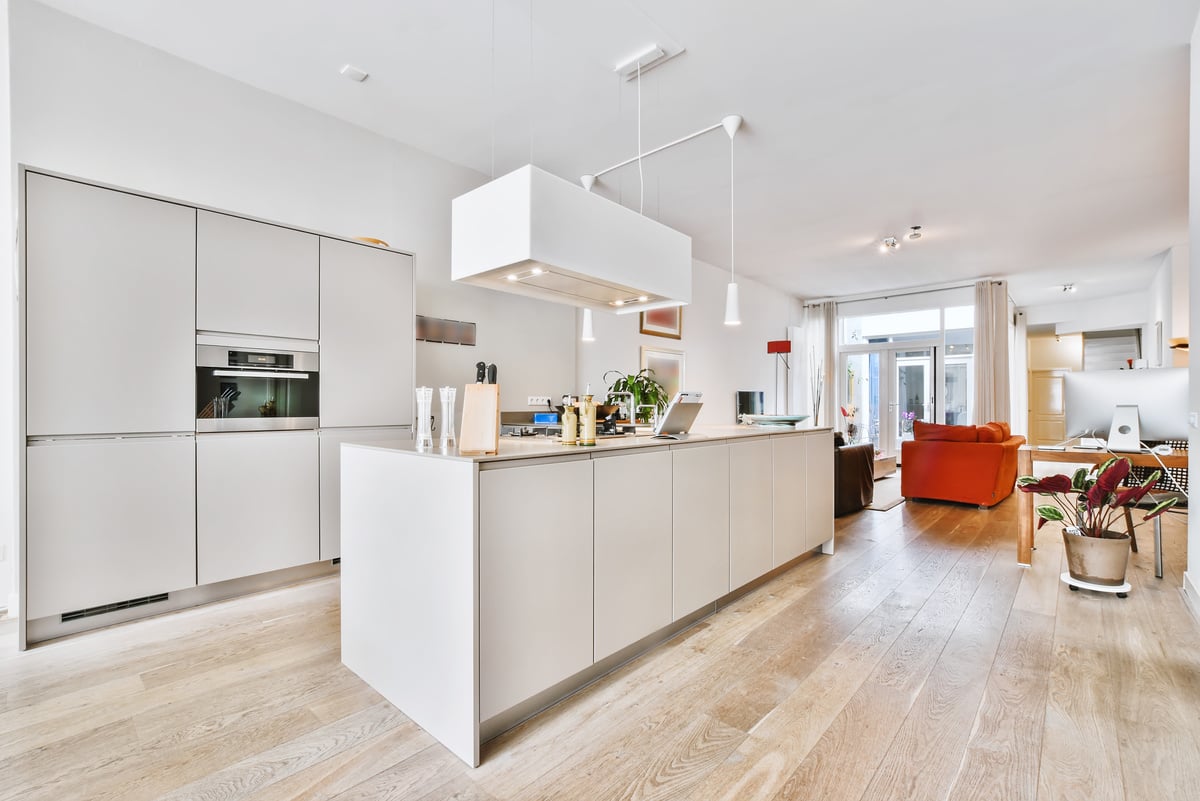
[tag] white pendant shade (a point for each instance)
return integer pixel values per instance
(586, 334)
(533, 233)
(733, 315)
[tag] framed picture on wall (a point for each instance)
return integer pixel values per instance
(663, 322)
(667, 366)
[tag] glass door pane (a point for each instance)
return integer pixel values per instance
(861, 414)
(913, 381)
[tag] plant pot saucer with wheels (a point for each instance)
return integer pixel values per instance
(1097, 563)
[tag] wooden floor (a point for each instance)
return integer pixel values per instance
(919, 662)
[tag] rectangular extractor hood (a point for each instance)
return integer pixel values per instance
(535, 234)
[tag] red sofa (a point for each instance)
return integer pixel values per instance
(967, 464)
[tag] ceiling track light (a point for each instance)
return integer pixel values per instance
(889, 244)
(914, 232)
(1068, 288)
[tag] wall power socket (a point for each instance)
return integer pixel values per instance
(538, 400)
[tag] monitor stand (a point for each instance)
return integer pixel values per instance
(1125, 436)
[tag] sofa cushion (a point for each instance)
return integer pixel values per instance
(936, 431)
(991, 432)
(1004, 427)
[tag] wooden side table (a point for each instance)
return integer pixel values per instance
(884, 466)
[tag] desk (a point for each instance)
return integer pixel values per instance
(1027, 455)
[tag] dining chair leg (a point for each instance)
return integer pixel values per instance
(1129, 527)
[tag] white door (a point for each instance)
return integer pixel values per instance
(257, 505)
(255, 278)
(331, 477)
(632, 547)
(109, 520)
(366, 336)
(883, 392)
(110, 311)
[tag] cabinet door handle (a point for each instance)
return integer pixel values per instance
(255, 374)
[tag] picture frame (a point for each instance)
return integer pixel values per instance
(668, 366)
(666, 322)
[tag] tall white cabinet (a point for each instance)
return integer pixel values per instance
(366, 336)
(110, 311)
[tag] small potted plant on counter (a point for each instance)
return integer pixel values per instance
(1088, 503)
(645, 390)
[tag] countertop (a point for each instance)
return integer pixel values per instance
(512, 448)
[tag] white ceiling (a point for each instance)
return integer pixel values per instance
(1045, 142)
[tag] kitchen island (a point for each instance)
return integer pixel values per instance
(478, 590)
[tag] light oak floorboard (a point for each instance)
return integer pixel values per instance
(917, 662)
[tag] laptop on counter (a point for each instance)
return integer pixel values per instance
(681, 413)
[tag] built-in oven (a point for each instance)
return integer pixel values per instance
(255, 389)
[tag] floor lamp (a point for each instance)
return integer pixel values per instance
(781, 348)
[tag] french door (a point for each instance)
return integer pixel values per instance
(883, 391)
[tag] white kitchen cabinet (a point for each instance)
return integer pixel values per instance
(366, 335)
(256, 278)
(818, 506)
(750, 500)
(331, 477)
(110, 311)
(535, 579)
(700, 529)
(788, 503)
(109, 520)
(632, 548)
(257, 503)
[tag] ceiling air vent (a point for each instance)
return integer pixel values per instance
(92, 611)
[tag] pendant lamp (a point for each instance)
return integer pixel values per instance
(585, 334)
(733, 314)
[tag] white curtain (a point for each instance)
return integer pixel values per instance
(820, 354)
(991, 352)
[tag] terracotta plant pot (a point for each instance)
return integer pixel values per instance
(1097, 560)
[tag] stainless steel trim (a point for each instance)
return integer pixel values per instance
(219, 424)
(218, 356)
(258, 374)
(255, 342)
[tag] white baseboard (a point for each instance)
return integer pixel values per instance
(1191, 594)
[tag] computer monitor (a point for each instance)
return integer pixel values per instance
(1091, 398)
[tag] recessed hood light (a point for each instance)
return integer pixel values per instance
(535, 234)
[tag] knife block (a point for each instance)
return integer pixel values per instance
(480, 429)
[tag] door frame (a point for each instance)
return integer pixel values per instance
(889, 444)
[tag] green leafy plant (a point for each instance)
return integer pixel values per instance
(1091, 500)
(645, 390)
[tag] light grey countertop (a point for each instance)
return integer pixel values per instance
(512, 448)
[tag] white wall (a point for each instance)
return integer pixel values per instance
(1167, 302)
(720, 359)
(1191, 578)
(99, 106)
(8, 454)
(1096, 314)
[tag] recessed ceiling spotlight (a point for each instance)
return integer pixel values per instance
(643, 298)
(354, 73)
(511, 276)
(889, 244)
(618, 303)
(1068, 288)
(914, 232)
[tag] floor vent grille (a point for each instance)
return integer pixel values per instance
(91, 611)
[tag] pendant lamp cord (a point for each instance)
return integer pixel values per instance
(732, 280)
(493, 57)
(641, 177)
(531, 81)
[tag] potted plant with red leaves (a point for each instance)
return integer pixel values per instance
(1088, 503)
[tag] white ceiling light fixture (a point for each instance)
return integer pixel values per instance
(354, 73)
(889, 245)
(733, 316)
(1068, 288)
(653, 55)
(914, 233)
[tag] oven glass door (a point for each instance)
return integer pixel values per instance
(247, 399)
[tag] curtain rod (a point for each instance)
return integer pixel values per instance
(898, 293)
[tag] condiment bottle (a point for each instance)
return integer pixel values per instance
(587, 426)
(570, 425)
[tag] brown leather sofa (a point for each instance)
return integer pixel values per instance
(853, 476)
